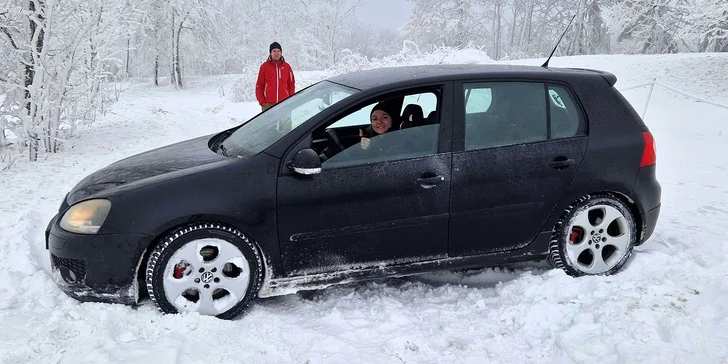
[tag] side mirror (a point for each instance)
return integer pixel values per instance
(305, 162)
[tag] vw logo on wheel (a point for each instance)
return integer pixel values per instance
(206, 277)
(596, 238)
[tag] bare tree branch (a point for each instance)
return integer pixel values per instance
(12, 41)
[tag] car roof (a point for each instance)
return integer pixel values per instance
(415, 75)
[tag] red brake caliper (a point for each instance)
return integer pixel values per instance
(179, 270)
(576, 234)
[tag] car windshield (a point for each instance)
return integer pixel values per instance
(267, 128)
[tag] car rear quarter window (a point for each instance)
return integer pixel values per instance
(566, 118)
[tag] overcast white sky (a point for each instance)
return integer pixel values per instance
(384, 14)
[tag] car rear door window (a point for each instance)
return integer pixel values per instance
(504, 113)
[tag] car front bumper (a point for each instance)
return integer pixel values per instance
(96, 268)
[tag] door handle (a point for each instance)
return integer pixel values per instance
(430, 181)
(562, 162)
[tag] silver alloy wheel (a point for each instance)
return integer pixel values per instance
(208, 276)
(599, 238)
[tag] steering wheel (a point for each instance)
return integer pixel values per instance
(332, 137)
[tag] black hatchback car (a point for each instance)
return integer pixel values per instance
(380, 173)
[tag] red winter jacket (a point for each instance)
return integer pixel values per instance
(275, 82)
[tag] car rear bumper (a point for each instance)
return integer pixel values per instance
(96, 268)
(647, 195)
(649, 221)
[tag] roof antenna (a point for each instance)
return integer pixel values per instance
(546, 64)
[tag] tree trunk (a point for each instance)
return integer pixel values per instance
(529, 25)
(48, 139)
(156, 55)
(513, 26)
(497, 27)
(575, 44)
(461, 21)
(3, 140)
(33, 146)
(30, 64)
(37, 35)
(128, 56)
(177, 66)
(172, 79)
(156, 68)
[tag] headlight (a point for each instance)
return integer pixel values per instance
(86, 217)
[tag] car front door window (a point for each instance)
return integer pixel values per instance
(407, 138)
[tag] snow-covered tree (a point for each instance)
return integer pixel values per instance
(588, 33)
(648, 26)
(709, 21)
(441, 23)
(65, 52)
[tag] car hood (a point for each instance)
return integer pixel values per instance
(169, 160)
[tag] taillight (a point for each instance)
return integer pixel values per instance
(649, 153)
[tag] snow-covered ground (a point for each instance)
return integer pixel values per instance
(669, 305)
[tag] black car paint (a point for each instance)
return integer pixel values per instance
(156, 191)
(502, 204)
(162, 163)
(385, 216)
(105, 265)
(401, 214)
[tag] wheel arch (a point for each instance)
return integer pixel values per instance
(620, 196)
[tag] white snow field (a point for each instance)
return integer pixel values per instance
(669, 304)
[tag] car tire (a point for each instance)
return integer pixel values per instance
(208, 268)
(595, 236)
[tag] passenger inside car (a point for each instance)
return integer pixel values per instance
(381, 119)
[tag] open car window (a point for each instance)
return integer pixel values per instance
(359, 117)
(413, 133)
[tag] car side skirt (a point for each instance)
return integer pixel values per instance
(272, 287)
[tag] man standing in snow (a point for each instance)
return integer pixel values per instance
(275, 79)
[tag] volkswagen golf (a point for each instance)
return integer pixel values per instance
(380, 173)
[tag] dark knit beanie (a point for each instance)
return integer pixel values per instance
(388, 107)
(274, 45)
